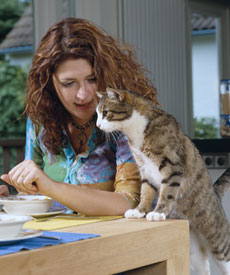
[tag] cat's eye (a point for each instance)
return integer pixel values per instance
(105, 113)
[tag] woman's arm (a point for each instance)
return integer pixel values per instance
(127, 180)
(28, 177)
(89, 201)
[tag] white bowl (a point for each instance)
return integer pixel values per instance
(11, 225)
(26, 204)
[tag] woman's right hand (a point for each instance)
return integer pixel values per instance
(28, 178)
(4, 191)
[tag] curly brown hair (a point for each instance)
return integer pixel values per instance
(114, 66)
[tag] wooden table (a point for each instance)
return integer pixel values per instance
(139, 246)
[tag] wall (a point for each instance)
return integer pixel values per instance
(158, 29)
(46, 13)
(104, 13)
(205, 85)
(22, 59)
(222, 12)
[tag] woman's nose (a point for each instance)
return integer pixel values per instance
(82, 93)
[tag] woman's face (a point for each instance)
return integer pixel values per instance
(76, 86)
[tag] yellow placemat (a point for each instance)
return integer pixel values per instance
(66, 220)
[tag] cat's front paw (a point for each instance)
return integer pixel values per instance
(134, 214)
(155, 216)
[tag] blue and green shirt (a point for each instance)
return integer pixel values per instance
(108, 165)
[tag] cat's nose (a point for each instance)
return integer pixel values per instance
(98, 125)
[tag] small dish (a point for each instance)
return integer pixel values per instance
(11, 225)
(26, 204)
(24, 234)
(53, 212)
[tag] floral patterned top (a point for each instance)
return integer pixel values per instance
(108, 165)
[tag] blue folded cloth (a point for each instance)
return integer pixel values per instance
(39, 242)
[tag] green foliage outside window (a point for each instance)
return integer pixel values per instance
(12, 81)
(12, 88)
(10, 12)
(205, 127)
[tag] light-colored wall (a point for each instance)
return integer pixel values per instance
(104, 13)
(22, 59)
(222, 12)
(46, 13)
(205, 76)
(158, 30)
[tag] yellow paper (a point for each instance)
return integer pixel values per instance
(66, 220)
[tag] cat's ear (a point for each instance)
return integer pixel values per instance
(115, 94)
(100, 94)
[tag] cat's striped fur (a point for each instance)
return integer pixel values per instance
(171, 168)
(222, 183)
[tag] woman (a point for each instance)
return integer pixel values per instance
(63, 145)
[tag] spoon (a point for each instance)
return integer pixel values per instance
(1, 206)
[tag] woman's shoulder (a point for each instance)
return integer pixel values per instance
(119, 139)
(119, 144)
(31, 128)
(116, 139)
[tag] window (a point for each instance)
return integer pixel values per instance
(205, 76)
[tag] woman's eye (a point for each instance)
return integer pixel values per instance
(92, 80)
(67, 84)
(105, 113)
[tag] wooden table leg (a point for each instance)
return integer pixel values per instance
(174, 266)
(154, 269)
(178, 265)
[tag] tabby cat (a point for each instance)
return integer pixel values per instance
(171, 168)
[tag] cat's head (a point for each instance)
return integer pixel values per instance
(114, 109)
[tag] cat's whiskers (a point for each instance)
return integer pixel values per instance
(107, 136)
(112, 136)
(115, 135)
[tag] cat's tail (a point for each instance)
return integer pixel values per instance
(222, 184)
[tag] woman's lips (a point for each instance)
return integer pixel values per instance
(83, 106)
